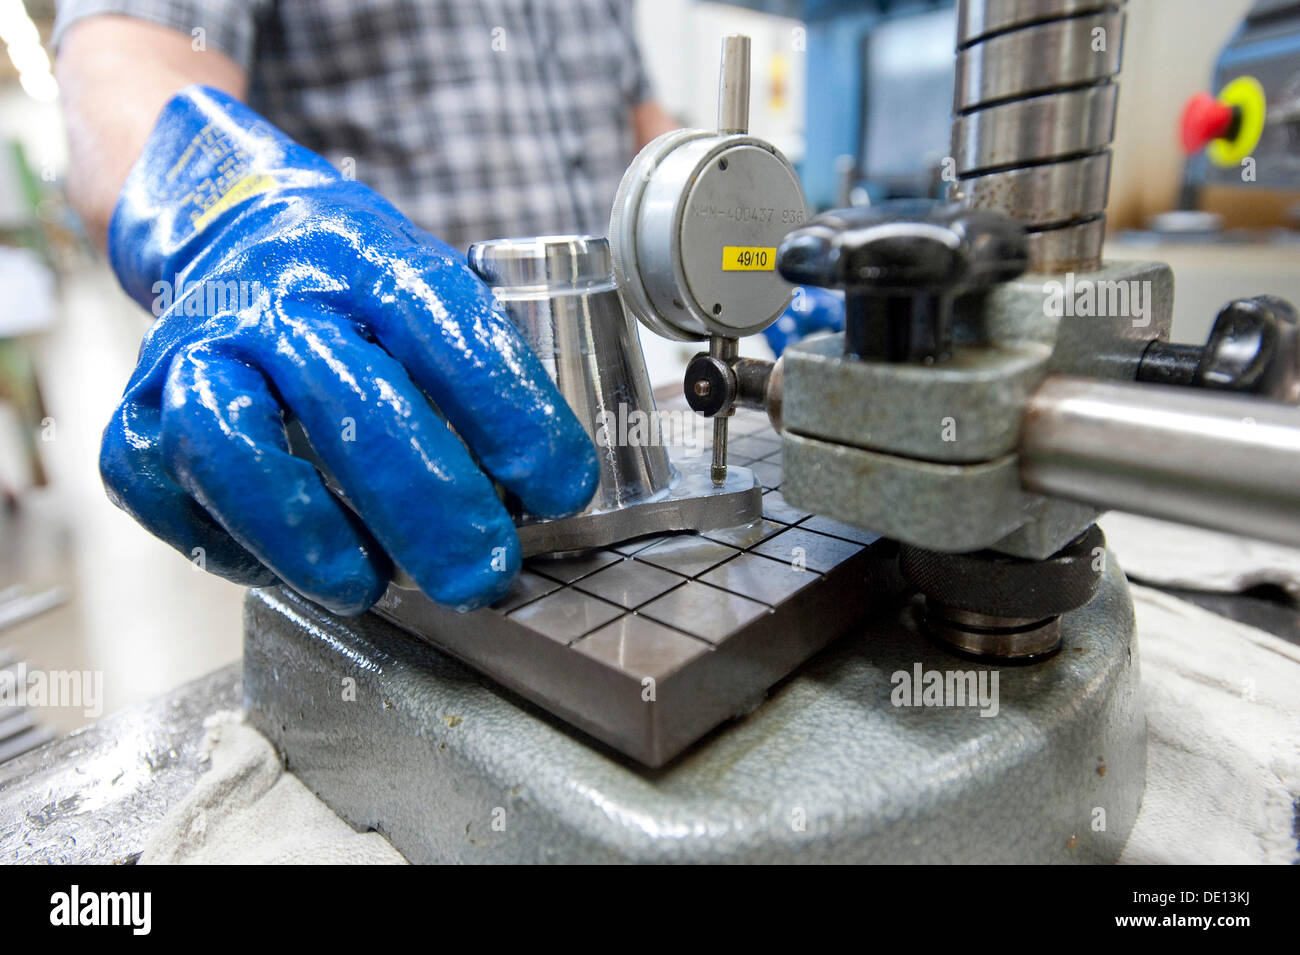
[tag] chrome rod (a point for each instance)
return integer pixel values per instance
(1226, 462)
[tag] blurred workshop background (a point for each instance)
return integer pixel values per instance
(856, 93)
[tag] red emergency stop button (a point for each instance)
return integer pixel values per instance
(1206, 119)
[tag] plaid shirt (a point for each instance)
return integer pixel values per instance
(477, 118)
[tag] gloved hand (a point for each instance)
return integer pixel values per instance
(283, 287)
(812, 310)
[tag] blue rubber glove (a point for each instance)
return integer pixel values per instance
(812, 310)
(282, 287)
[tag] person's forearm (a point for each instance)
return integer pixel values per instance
(649, 120)
(115, 75)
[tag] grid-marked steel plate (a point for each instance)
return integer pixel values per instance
(649, 644)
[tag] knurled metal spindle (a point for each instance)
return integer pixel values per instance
(733, 119)
(1034, 116)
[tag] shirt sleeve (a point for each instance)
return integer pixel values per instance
(634, 79)
(226, 25)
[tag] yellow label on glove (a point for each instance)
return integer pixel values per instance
(245, 188)
(748, 258)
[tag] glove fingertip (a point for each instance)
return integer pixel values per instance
(478, 581)
(565, 483)
(351, 595)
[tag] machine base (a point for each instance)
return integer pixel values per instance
(846, 762)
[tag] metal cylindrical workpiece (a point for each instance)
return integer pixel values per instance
(560, 293)
(1034, 104)
(1214, 460)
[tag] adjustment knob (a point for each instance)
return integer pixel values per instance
(901, 264)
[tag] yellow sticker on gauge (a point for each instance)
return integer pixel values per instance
(748, 258)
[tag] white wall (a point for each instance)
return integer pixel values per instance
(681, 41)
(38, 126)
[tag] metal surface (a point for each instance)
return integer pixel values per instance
(712, 620)
(1035, 100)
(1034, 130)
(1069, 248)
(733, 85)
(96, 796)
(995, 606)
(692, 502)
(927, 454)
(939, 506)
(1208, 459)
(975, 20)
(560, 293)
(1037, 58)
(1055, 192)
(1128, 303)
(981, 390)
(723, 350)
(993, 638)
(686, 198)
(453, 769)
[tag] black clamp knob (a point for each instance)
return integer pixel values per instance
(1254, 347)
(901, 264)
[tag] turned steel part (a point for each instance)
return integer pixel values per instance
(733, 85)
(1012, 588)
(998, 638)
(560, 293)
(989, 604)
(1034, 104)
(1211, 459)
(723, 350)
(758, 386)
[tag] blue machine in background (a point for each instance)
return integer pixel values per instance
(1266, 49)
(880, 94)
(878, 117)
